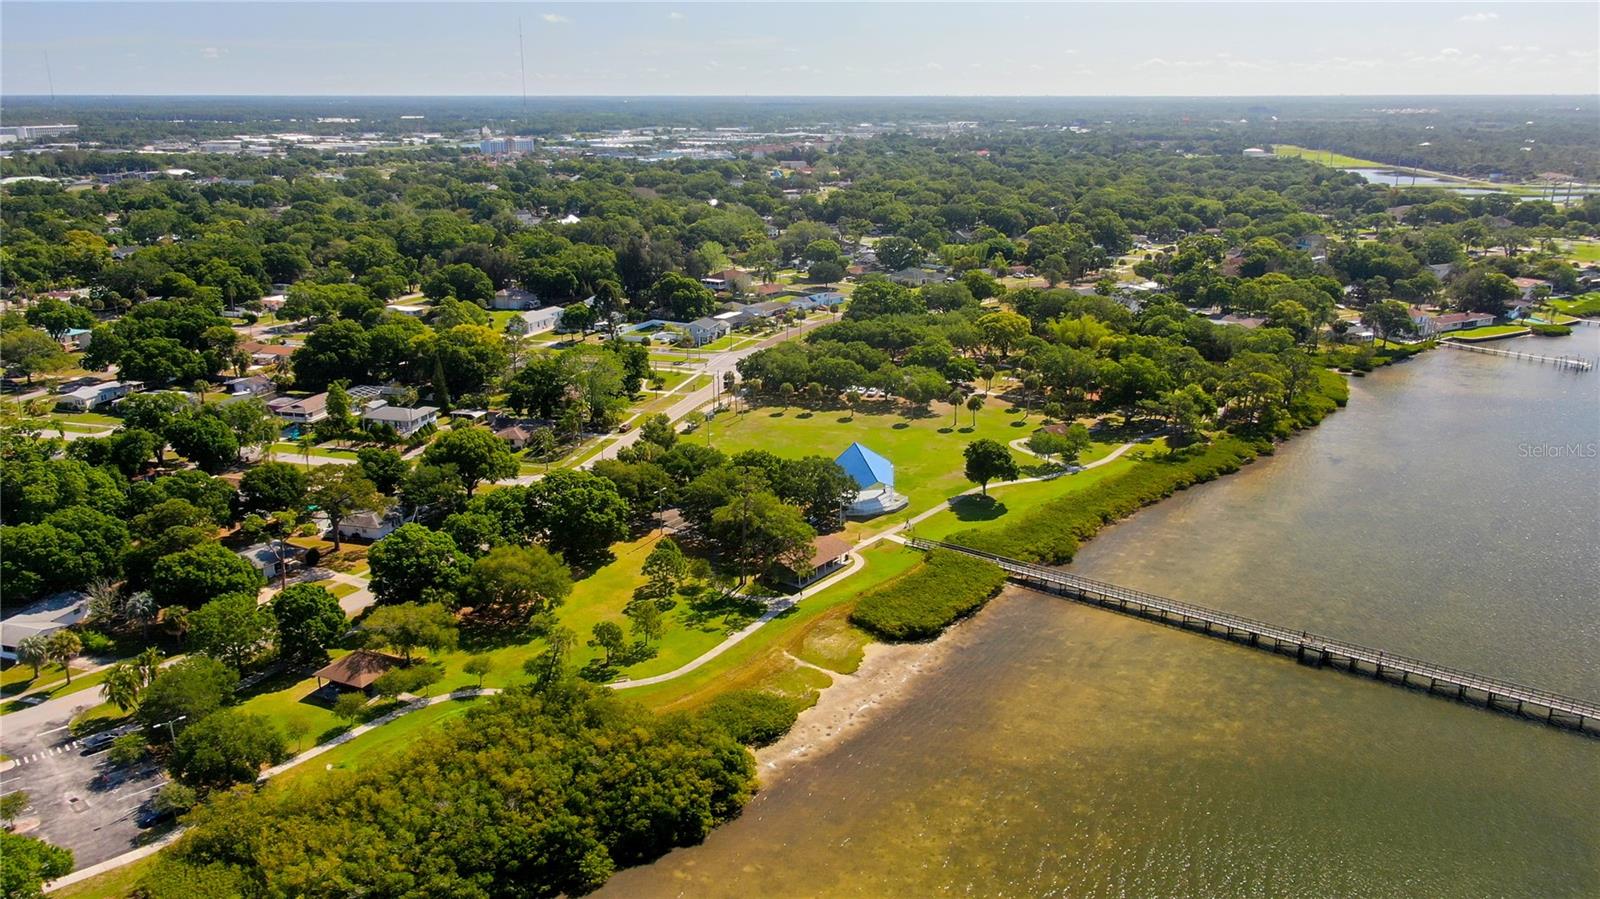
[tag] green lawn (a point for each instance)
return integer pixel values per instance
(926, 451)
(1488, 333)
(376, 743)
(49, 689)
(1008, 503)
(1585, 251)
(814, 630)
(291, 452)
(1586, 304)
(1326, 157)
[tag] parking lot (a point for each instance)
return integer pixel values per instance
(77, 798)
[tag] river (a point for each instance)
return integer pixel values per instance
(1452, 512)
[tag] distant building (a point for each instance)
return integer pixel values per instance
(515, 299)
(356, 670)
(254, 385)
(271, 559)
(829, 553)
(705, 330)
(300, 410)
(1256, 153)
(92, 396)
(369, 526)
(405, 421)
(76, 339)
(537, 321)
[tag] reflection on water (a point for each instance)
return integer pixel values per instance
(1452, 512)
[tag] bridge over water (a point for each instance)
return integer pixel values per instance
(1308, 648)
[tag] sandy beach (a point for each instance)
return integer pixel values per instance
(883, 682)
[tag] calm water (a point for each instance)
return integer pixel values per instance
(1068, 751)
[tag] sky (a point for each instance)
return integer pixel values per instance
(791, 48)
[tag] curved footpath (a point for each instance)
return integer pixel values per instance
(775, 608)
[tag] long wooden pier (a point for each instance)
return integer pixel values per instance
(1308, 648)
(1568, 363)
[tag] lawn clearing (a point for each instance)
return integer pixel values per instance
(52, 689)
(1326, 157)
(378, 743)
(926, 451)
(1492, 332)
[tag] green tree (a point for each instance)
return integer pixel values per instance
(31, 351)
(477, 454)
(205, 440)
(273, 487)
(407, 626)
(226, 748)
(152, 412)
(683, 297)
(34, 650)
(57, 317)
(516, 582)
(757, 530)
(578, 514)
(975, 405)
(339, 491)
(385, 468)
(202, 573)
(987, 460)
(1387, 318)
(415, 563)
(309, 620)
(122, 685)
(63, 647)
(12, 805)
(350, 706)
(190, 688)
(478, 666)
(26, 864)
(233, 629)
(607, 635)
(647, 621)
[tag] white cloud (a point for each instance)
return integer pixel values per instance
(676, 16)
(211, 53)
(1478, 17)
(554, 19)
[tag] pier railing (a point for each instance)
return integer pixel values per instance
(1568, 363)
(1492, 692)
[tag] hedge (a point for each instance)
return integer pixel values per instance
(1051, 533)
(1550, 330)
(751, 716)
(922, 602)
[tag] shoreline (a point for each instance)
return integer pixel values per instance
(882, 684)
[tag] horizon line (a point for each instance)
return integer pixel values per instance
(619, 96)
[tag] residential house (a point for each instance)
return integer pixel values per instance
(42, 618)
(1461, 321)
(705, 330)
(829, 553)
(272, 559)
(1242, 321)
(405, 421)
(266, 354)
(825, 300)
(916, 277)
(516, 435)
(300, 410)
(769, 290)
(92, 396)
(370, 526)
(1532, 288)
(411, 310)
(767, 308)
(538, 321)
(76, 339)
(253, 385)
(515, 299)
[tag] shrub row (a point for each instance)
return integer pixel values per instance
(1550, 330)
(1051, 533)
(922, 602)
(752, 717)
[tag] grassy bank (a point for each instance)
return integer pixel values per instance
(922, 602)
(1052, 532)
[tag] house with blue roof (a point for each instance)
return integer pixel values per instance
(874, 475)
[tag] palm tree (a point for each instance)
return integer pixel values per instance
(122, 685)
(141, 607)
(974, 403)
(64, 646)
(34, 650)
(987, 373)
(850, 398)
(306, 442)
(149, 663)
(954, 399)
